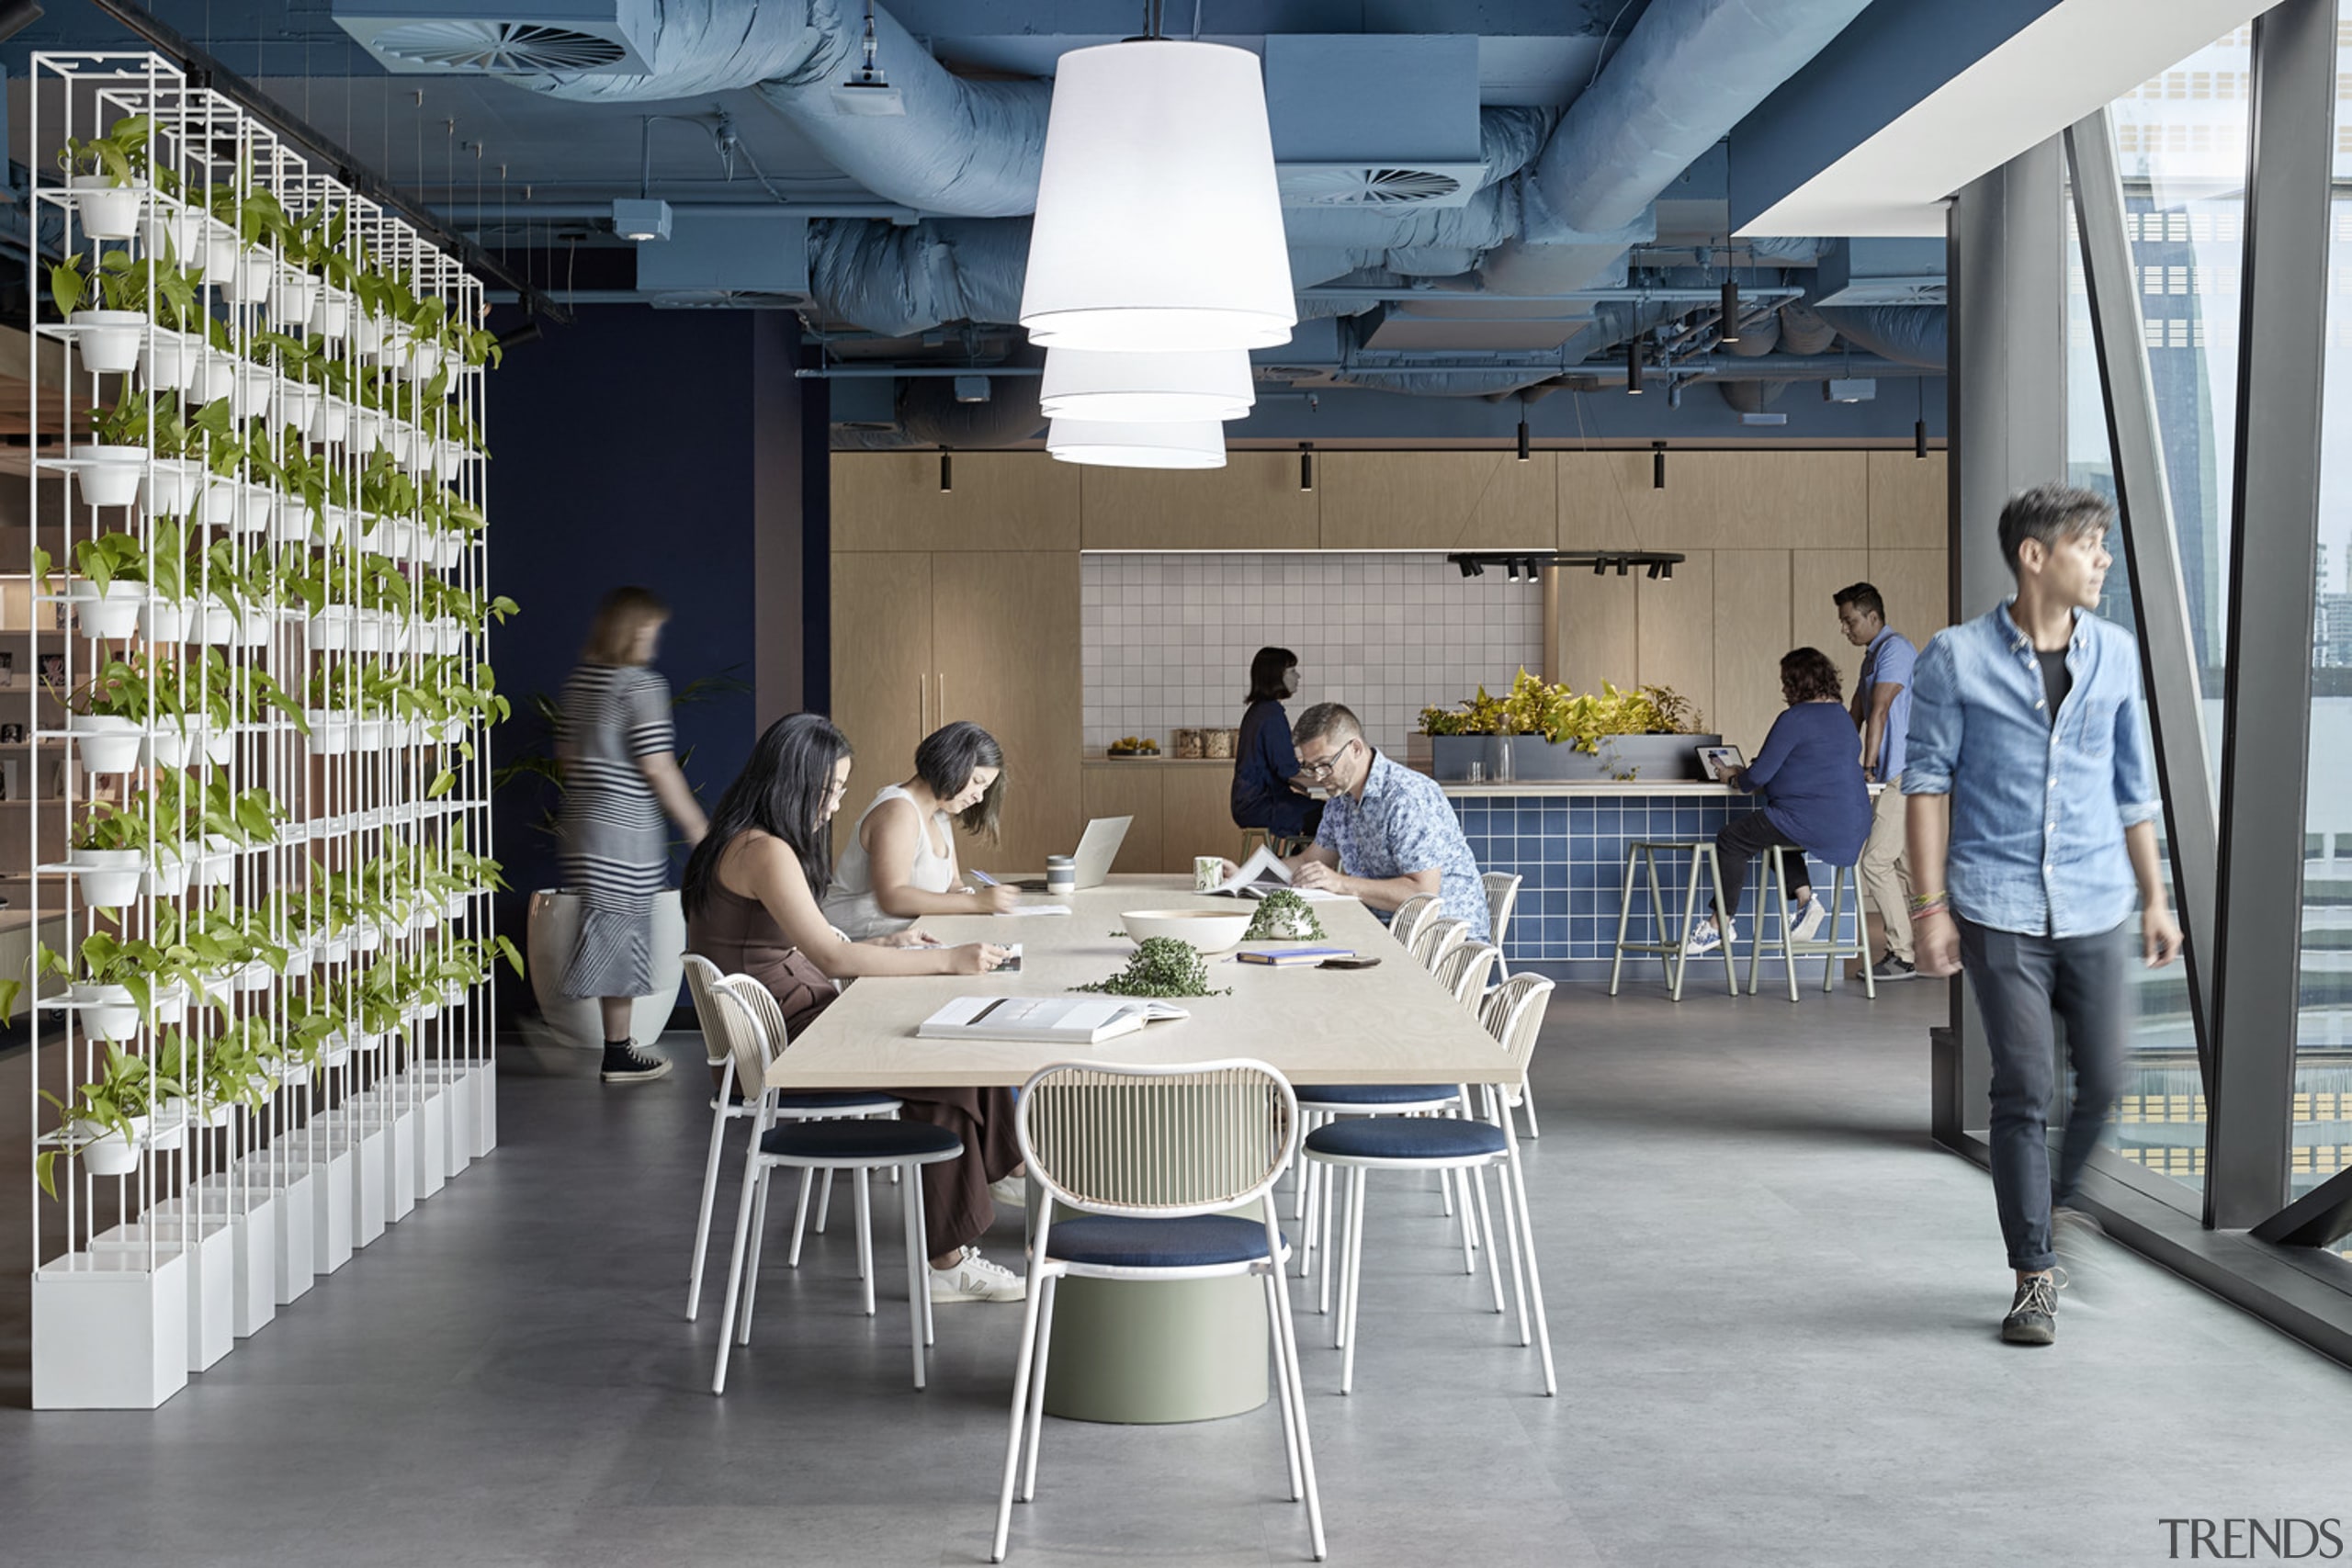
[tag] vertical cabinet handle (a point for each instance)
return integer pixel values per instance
(923, 706)
(941, 712)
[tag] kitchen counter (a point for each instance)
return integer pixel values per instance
(1224, 762)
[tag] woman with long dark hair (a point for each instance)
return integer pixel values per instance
(1811, 774)
(901, 861)
(1267, 789)
(620, 777)
(752, 898)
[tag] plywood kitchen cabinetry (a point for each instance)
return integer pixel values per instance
(1181, 809)
(922, 637)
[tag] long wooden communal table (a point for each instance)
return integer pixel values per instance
(1164, 1352)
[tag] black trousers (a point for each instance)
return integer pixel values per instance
(1744, 837)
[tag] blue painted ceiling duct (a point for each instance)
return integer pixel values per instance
(971, 149)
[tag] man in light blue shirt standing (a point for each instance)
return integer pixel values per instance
(2031, 805)
(1882, 711)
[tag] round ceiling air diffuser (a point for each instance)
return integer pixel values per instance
(505, 48)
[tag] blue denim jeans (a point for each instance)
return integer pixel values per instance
(2023, 983)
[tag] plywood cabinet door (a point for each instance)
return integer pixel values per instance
(884, 671)
(1005, 656)
(1132, 790)
(1199, 822)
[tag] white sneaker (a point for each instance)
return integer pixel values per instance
(1705, 937)
(1806, 923)
(975, 1279)
(1010, 1191)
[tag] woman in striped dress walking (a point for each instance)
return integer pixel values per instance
(620, 774)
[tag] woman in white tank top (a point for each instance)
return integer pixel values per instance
(900, 864)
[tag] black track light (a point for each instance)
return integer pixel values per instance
(1657, 468)
(1469, 566)
(1667, 571)
(1599, 567)
(515, 337)
(1510, 568)
(1730, 329)
(1919, 426)
(1654, 570)
(1634, 367)
(946, 472)
(1623, 566)
(1305, 467)
(1522, 438)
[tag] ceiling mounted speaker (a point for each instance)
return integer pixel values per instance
(1129, 388)
(1158, 223)
(1189, 444)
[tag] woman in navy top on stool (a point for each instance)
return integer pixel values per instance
(1266, 792)
(1815, 796)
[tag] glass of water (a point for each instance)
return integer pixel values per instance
(1477, 773)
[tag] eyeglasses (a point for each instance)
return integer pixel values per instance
(1325, 768)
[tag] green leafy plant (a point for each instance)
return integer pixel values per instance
(1284, 916)
(1532, 707)
(128, 1087)
(1161, 966)
(119, 156)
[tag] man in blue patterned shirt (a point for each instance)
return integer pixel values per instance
(1388, 833)
(2032, 804)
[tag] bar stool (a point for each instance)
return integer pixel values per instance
(1251, 838)
(1674, 952)
(1829, 950)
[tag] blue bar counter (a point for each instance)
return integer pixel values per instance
(1566, 842)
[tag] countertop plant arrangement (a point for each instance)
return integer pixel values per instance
(1162, 966)
(1534, 707)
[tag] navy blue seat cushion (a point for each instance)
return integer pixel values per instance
(1194, 1243)
(1375, 1093)
(1405, 1137)
(859, 1140)
(844, 1099)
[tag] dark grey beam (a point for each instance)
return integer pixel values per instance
(2321, 1217)
(2266, 717)
(2152, 556)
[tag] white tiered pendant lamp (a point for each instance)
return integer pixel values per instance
(1158, 226)
(1183, 444)
(1148, 388)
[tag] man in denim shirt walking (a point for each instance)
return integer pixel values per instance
(2032, 807)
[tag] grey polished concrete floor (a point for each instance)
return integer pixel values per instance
(1773, 1304)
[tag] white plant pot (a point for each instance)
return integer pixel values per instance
(108, 341)
(292, 297)
(367, 734)
(335, 949)
(222, 250)
(109, 1013)
(331, 314)
(298, 959)
(399, 439)
(448, 551)
(108, 1153)
(256, 976)
(108, 745)
(249, 399)
(366, 938)
(217, 864)
(369, 1044)
(216, 624)
(176, 232)
(218, 747)
(112, 611)
(108, 878)
(366, 333)
(400, 538)
(448, 460)
(448, 636)
(330, 631)
(165, 746)
(249, 279)
(214, 376)
(335, 527)
(335, 1051)
(168, 362)
(167, 1128)
(255, 625)
(107, 211)
(454, 907)
(331, 423)
(367, 430)
(290, 519)
(295, 403)
(168, 879)
(170, 486)
(109, 476)
(164, 620)
(295, 1075)
(254, 505)
(426, 1012)
(219, 1115)
(330, 733)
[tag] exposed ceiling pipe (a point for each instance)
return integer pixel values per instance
(1802, 330)
(1912, 333)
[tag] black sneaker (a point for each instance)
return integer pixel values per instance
(1892, 968)
(626, 1063)
(2034, 1315)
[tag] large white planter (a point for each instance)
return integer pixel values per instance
(108, 475)
(108, 745)
(108, 1333)
(108, 878)
(108, 341)
(107, 211)
(111, 612)
(555, 932)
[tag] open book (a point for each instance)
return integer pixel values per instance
(1062, 1021)
(1264, 872)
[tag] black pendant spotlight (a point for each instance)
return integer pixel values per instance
(1522, 433)
(1729, 332)
(1919, 426)
(946, 472)
(1307, 466)
(1634, 367)
(1657, 471)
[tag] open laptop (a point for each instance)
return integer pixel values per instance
(1097, 848)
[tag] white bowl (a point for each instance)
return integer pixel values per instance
(1210, 930)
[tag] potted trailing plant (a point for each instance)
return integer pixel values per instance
(108, 853)
(108, 717)
(107, 338)
(1554, 733)
(107, 1124)
(121, 980)
(107, 177)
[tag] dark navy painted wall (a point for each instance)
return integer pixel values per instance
(621, 453)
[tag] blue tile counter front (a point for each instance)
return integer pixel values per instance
(1567, 844)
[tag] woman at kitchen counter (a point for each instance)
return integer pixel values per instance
(1267, 789)
(901, 861)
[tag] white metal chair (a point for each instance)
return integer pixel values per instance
(1502, 898)
(1405, 923)
(728, 1106)
(1437, 938)
(755, 1027)
(1514, 1015)
(1467, 970)
(1191, 1143)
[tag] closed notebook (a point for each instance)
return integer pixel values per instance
(1295, 958)
(1069, 1020)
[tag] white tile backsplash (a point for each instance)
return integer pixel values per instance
(1168, 637)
